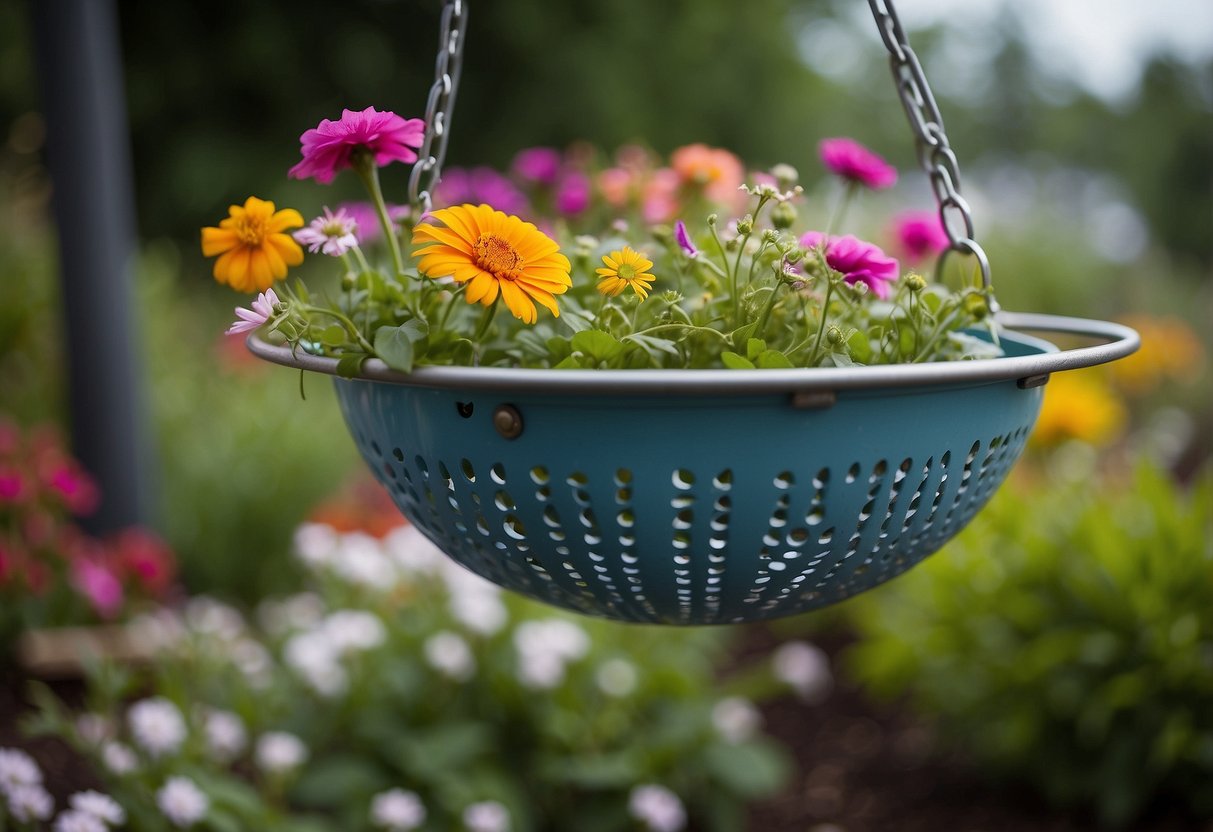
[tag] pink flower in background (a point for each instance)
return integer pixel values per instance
(573, 193)
(142, 554)
(660, 199)
(74, 487)
(332, 233)
(919, 235)
(99, 585)
(327, 149)
(853, 162)
(718, 172)
(478, 186)
(858, 261)
(366, 220)
(12, 485)
(684, 239)
(537, 165)
(262, 311)
(615, 184)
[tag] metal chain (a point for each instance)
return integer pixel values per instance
(934, 154)
(427, 172)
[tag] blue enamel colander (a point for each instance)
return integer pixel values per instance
(701, 496)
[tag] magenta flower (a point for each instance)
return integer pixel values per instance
(537, 165)
(920, 235)
(477, 186)
(333, 233)
(684, 239)
(99, 585)
(857, 261)
(327, 149)
(366, 219)
(12, 485)
(853, 162)
(573, 193)
(262, 311)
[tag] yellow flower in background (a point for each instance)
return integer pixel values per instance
(1078, 405)
(626, 268)
(1169, 351)
(495, 254)
(252, 245)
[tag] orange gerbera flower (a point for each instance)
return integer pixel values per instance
(252, 247)
(495, 254)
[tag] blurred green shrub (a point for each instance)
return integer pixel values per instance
(1066, 638)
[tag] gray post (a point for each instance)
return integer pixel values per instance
(80, 77)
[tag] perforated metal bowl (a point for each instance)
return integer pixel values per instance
(700, 497)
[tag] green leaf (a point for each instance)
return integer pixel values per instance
(570, 362)
(415, 329)
(742, 334)
(773, 360)
(577, 321)
(733, 361)
(837, 359)
(599, 345)
(395, 347)
(349, 366)
(559, 348)
(615, 770)
(753, 347)
(749, 769)
(331, 780)
(333, 335)
(653, 346)
(301, 291)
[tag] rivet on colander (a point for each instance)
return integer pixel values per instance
(508, 421)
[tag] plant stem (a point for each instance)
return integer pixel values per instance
(766, 312)
(821, 327)
(347, 323)
(368, 171)
(844, 202)
(485, 320)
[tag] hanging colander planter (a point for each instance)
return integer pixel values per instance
(705, 496)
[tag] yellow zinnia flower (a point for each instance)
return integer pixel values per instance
(252, 247)
(626, 268)
(1078, 406)
(495, 254)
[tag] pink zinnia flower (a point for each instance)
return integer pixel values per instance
(99, 585)
(855, 163)
(859, 262)
(333, 233)
(477, 186)
(920, 235)
(262, 311)
(327, 149)
(537, 165)
(573, 193)
(684, 239)
(75, 488)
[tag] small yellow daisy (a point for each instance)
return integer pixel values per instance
(626, 268)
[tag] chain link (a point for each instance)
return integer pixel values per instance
(935, 155)
(427, 172)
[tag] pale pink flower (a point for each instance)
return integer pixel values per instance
(333, 233)
(262, 311)
(99, 585)
(853, 162)
(327, 149)
(858, 261)
(657, 808)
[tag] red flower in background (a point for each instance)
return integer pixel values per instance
(141, 554)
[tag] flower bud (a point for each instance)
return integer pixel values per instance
(783, 215)
(976, 306)
(712, 220)
(834, 335)
(915, 282)
(785, 175)
(770, 236)
(349, 281)
(745, 225)
(794, 255)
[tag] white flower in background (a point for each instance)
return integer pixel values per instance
(75, 820)
(486, 816)
(119, 759)
(397, 810)
(412, 551)
(29, 802)
(312, 657)
(18, 768)
(354, 630)
(360, 560)
(658, 808)
(254, 661)
(210, 617)
(804, 668)
(736, 718)
(278, 752)
(450, 655)
(226, 737)
(159, 630)
(616, 677)
(101, 806)
(182, 802)
(301, 611)
(540, 671)
(93, 729)
(480, 610)
(315, 544)
(544, 648)
(157, 726)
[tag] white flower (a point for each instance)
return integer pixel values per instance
(312, 657)
(351, 630)
(540, 671)
(118, 758)
(481, 611)
(101, 806)
(93, 729)
(658, 808)
(805, 668)
(253, 660)
(301, 611)
(211, 617)
(397, 810)
(159, 630)
(543, 649)
(18, 769)
(226, 737)
(616, 677)
(360, 560)
(77, 820)
(331, 233)
(450, 655)
(182, 802)
(486, 816)
(157, 726)
(29, 802)
(278, 752)
(315, 544)
(736, 719)
(412, 551)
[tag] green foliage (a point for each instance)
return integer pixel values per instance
(1065, 637)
